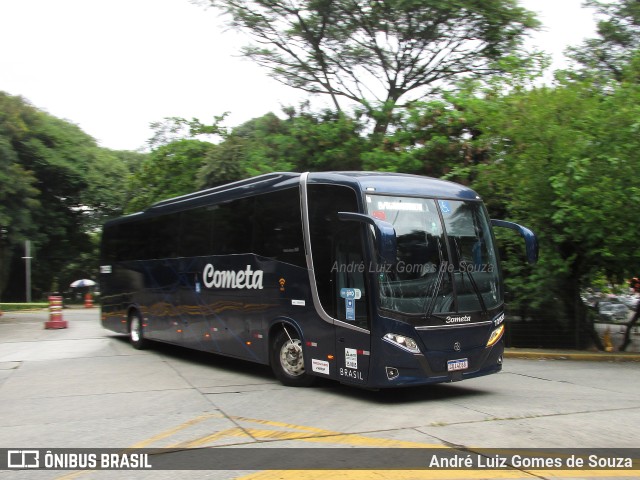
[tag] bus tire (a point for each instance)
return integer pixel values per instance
(136, 332)
(287, 360)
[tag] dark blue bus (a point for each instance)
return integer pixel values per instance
(372, 279)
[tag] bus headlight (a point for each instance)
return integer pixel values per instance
(406, 343)
(495, 336)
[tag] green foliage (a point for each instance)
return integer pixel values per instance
(56, 185)
(562, 161)
(303, 142)
(618, 40)
(172, 129)
(429, 138)
(169, 171)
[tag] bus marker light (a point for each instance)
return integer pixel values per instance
(495, 336)
(248, 342)
(311, 344)
(330, 357)
(179, 331)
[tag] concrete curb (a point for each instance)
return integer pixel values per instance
(531, 354)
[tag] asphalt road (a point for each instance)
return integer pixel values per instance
(85, 387)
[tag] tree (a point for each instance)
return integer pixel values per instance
(380, 54)
(56, 187)
(564, 162)
(18, 194)
(304, 141)
(618, 39)
(172, 129)
(169, 171)
(432, 137)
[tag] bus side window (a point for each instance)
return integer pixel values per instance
(278, 227)
(232, 227)
(196, 231)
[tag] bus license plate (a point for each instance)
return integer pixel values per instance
(461, 364)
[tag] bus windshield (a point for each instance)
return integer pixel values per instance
(446, 262)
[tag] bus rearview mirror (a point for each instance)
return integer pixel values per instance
(530, 239)
(385, 234)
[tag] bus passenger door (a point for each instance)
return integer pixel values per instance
(353, 338)
(340, 274)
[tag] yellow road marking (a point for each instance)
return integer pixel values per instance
(273, 423)
(155, 438)
(380, 474)
(199, 442)
(287, 431)
(328, 436)
(432, 474)
(174, 430)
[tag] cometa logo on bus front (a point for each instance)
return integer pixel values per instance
(463, 319)
(247, 278)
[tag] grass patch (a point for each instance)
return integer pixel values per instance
(15, 307)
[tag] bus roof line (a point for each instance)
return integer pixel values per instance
(248, 182)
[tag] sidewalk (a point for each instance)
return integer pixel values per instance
(547, 354)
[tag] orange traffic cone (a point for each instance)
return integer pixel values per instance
(88, 301)
(55, 313)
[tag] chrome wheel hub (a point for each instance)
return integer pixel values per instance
(135, 329)
(291, 357)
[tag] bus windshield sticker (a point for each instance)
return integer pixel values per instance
(409, 206)
(379, 214)
(298, 303)
(444, 206)
(351, 358)
(354, 293)
(350, 308)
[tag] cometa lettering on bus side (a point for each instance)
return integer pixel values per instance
(247, 278)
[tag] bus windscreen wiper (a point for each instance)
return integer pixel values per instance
(431, 305)
(476, 290)
(464, 269)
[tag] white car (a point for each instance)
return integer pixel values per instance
(613, 312)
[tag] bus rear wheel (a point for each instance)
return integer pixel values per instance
(136, 332)
(287, 359)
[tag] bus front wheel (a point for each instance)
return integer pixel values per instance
(287, 359)
(136, 332)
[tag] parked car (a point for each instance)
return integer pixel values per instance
(630, 301)
(613, 312)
